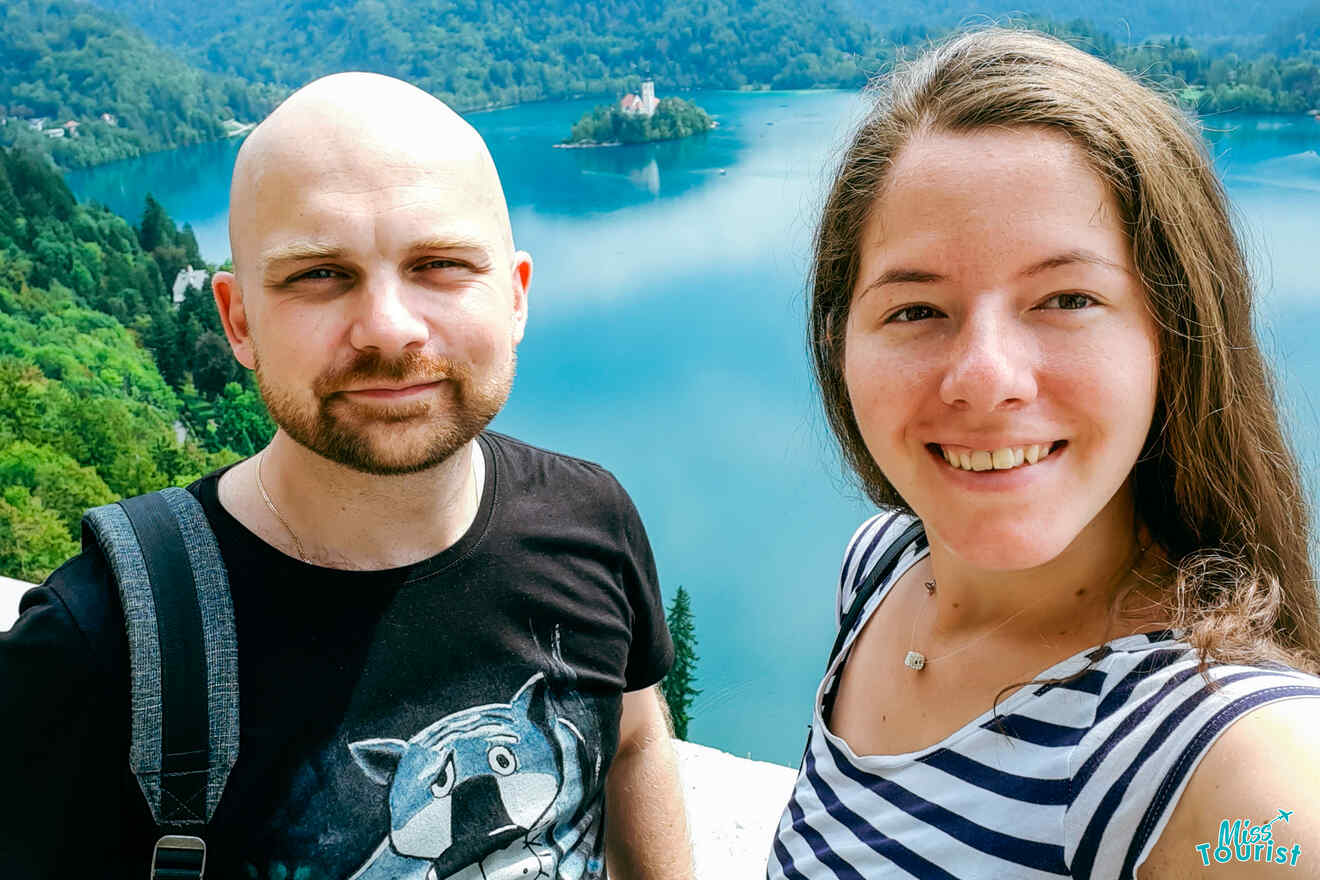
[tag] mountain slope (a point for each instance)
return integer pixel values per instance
(478, 53)
(1125, 19)
(66, 60)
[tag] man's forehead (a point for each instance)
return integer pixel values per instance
(397, 220)
(351, 208)
(357, 148)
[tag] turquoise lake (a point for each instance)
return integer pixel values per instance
(665, 341)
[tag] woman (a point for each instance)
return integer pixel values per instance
(1031, 324)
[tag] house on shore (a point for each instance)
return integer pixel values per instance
(188, 279)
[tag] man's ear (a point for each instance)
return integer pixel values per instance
(229, 300)
(522, 280)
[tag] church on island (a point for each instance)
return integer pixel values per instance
(643, 104)
(638, 119)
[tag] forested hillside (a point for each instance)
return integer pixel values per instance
(62, 60)
(1297, 33)
(477, 52)
(97, 366)
(1130, 20)
(1206, 80)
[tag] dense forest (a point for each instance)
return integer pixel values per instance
(1209, 81)
(1127, 20)
(100, 372)
(65, 61)
(477, 53)
(673, 118)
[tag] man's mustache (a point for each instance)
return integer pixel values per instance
(371, 368)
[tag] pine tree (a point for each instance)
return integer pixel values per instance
(678, 685)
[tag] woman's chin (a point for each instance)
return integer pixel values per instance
(1010, 547)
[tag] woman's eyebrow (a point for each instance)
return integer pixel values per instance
(1068, 258)
(902, 275)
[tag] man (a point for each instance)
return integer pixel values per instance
(447, 639)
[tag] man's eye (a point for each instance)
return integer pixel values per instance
(317, 275)
(440, 263)
(908, 314)
(1070, 302)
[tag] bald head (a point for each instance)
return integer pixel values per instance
(359, 141)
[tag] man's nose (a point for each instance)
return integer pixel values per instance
(386, 320)
(991, 364)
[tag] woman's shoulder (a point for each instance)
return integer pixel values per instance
(868, 543)
(1156, 686)
(1158, 712)
(1263, 768)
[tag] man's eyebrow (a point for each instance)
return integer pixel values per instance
(454, 243)
(1068, 258)
(312, 250)
(301, 250)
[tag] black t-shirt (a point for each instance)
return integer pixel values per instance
(455, 717)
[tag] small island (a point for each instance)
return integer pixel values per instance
(639, 119)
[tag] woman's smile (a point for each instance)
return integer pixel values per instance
(1006, 469)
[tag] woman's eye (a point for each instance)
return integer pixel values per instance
(1071, 301)
(908, 314)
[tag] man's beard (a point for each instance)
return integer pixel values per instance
(358, 436)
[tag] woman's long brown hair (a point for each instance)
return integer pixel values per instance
(1217, 484)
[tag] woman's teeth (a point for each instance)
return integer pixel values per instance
(998, 459)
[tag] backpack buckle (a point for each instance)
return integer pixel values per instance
(178, 857)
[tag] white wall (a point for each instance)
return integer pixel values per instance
(10, 592)
(733, 808)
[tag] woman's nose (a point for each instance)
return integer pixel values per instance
(990, 365)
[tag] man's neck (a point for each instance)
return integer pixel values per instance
(337, 517)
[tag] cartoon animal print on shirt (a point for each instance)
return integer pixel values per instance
(487, 793)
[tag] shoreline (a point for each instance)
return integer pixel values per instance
(583, 145)
(590, 144)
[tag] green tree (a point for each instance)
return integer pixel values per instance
(56, 480)
(241, 421)
(679, 685)
(33, 541)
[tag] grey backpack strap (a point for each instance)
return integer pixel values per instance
(183, 658)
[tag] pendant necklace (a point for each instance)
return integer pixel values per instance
(297, 544)
(916, 661)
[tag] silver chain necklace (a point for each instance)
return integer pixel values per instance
(297, 544)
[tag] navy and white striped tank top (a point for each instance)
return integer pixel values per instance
(1073, 780)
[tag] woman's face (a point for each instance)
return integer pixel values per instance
(998, 318)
